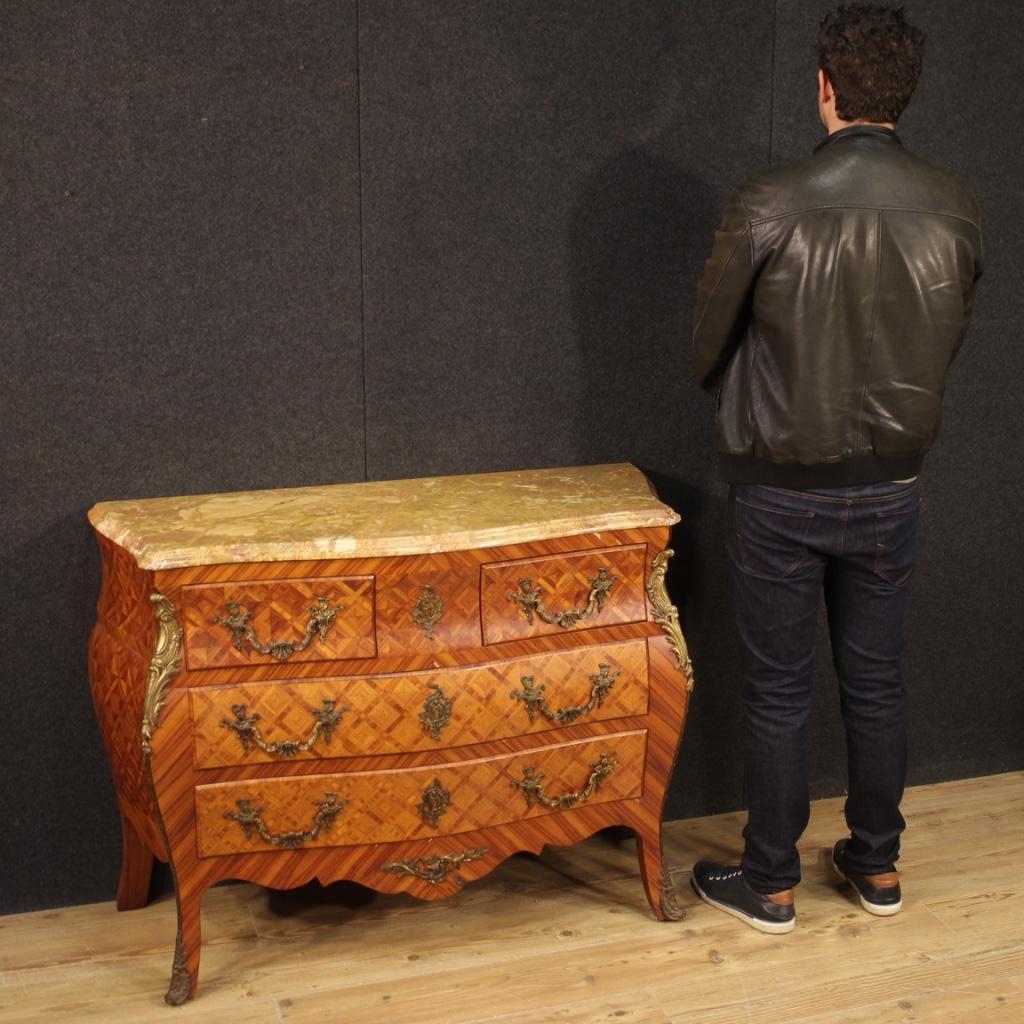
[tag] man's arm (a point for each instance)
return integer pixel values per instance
(724, 294)
(969, 295)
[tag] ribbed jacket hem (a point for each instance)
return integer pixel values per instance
(862, 469)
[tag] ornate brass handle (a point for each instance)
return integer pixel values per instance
(531, 600)
(321, 618)
(435, 868)
(248, 732)
(533, 697)
(531, 785)
(250, 820)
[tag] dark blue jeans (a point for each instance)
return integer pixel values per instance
(859, 546)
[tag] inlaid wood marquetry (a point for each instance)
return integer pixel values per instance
(120, 682)
(123, 607)
(278, 612)
(453, 580)
(119, 648)
(468, 668)
(384, 806)
(382, 713)
(603, 587)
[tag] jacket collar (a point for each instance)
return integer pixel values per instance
(854, 130)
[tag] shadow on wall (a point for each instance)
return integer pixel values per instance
(639, 233)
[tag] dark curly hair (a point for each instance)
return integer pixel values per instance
(872, 57)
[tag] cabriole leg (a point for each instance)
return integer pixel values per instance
(661, 893)
(185, 968)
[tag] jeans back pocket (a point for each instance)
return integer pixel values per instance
(771, 542)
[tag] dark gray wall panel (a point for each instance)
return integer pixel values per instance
(964, 639)
(181, 313)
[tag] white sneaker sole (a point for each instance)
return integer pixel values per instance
(879, 910)
(768, 927)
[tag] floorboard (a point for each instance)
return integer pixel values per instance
(567, 938)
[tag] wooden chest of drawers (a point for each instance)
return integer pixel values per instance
(400, 684)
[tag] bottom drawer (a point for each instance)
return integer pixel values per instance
(353, 808)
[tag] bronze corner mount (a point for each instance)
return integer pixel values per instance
(666, 614)
(163, 666)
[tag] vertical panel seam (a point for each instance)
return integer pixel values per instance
(362, 274)
(771, 87)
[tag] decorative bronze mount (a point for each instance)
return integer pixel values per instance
(248, 732)
(428, 611)
(181, 979)
(530, 599)
(434, 802)
(321, 618)
(249, 818)
(163, 665)
(436, 713)
(669, 898)
(435, 868)
(531, 785)
(532, 696)
(667, 615)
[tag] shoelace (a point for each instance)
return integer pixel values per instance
(726, 876)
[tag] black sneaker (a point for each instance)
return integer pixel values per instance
(723, 886)
(879, 894)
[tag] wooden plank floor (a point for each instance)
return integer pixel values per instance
(568, 938)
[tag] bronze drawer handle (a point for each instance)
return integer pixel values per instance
(248, 732)
(321, 618)
(533, 697)
(435, 868)
(250, 820)
(530, 599)
(532, 784)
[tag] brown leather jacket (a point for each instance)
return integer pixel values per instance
(837, 293)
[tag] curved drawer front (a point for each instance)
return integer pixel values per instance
(342, 717)
(561, 593)
(260, 623)
(388, 806)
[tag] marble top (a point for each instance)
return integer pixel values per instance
(377, 519)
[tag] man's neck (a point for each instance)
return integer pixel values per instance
(836, 124)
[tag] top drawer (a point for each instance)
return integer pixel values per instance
(263, 622)
(562, 593)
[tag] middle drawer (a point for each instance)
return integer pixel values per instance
(388, 714)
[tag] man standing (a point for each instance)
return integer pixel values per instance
(837, 293)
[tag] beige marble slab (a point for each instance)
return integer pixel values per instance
(399, 517)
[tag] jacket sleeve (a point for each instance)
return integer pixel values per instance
(724, 294)
(970, 293)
